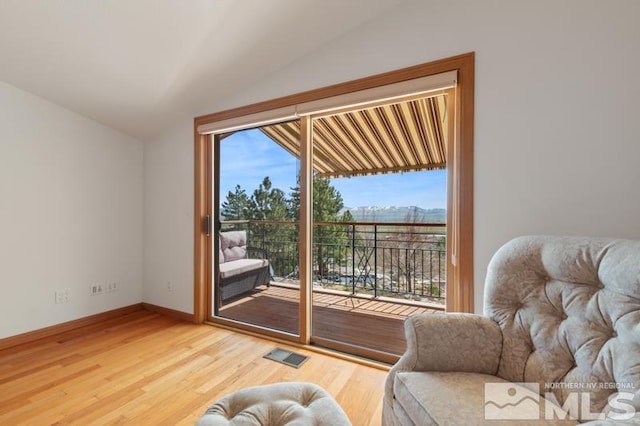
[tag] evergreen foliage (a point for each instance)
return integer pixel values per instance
(268, 204)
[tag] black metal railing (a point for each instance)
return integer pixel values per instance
(406, 260)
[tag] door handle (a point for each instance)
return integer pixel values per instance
(207, 225)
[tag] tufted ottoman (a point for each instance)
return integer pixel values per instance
(292, 403)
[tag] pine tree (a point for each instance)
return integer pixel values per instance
(329, 240)
(327, 202)
(281, 213)
(272, 232)
(268, 203)
(236, 206)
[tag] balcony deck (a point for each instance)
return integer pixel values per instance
(371, 323)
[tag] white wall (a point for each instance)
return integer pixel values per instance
(556, 132)
(168, 224)
(71, 211)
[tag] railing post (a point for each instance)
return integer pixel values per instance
(407, 271)
(431, 271)
(353, 259)
(439, 273)
(375, 260)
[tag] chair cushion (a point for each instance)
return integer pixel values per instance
(294, 403)
(437, 398)
(236, 267)
(233, 245)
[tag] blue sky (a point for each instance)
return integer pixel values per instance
(248, 156)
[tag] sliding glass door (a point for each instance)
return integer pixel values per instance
(286, 247)
(332, 228)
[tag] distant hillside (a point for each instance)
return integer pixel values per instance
(398, 214)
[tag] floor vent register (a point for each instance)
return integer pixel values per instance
(289, 358)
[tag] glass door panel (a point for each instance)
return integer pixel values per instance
(256, 253)
(379, 223)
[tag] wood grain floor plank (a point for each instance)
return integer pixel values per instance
(147, 369)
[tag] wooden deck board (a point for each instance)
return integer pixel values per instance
(371, 323)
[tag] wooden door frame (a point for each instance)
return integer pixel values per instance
(460, 296)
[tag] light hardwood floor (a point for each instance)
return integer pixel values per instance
(149, 369)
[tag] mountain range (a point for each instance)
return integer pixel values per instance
(397, 214)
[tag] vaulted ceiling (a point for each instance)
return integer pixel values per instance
(134, 64)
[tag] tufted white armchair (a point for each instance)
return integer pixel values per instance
(559, 342)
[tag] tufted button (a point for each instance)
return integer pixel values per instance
(614, 334)
(307, 398)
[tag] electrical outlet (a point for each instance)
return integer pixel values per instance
(112, 286)
(96, 289)
(62, 296)
(169, 287)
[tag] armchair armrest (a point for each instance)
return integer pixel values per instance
(448, 342)
(452, 342)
